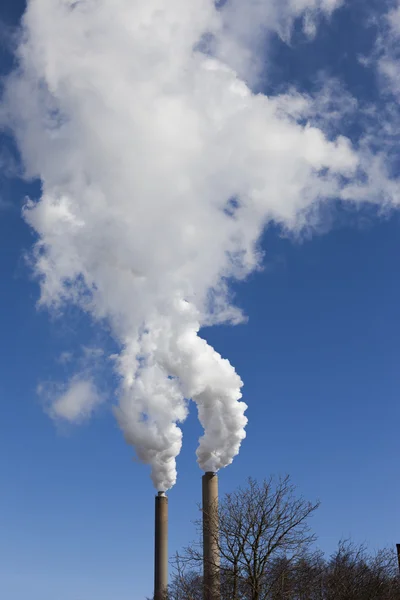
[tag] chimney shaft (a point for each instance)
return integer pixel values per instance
(211, 556)
(161, 547)
(398, 554)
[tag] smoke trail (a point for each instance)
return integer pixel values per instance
(159, 170)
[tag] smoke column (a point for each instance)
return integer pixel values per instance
(160, 169)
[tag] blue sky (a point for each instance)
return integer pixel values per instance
(319, 357)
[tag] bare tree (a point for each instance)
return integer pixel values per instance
(187, 584)
(299, 578)
(257, 523)
(265, 545)
(353, 574)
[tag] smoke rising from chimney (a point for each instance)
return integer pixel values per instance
(160, 169)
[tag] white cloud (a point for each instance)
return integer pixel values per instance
(160, 169)
(394, 20)
(245, 29)
(388, 51)
(65, 357)
(74, 403)
(92, 354)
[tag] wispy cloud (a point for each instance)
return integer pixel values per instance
(74, 402)
(389, 49)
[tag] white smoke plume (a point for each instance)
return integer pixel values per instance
(160, 169)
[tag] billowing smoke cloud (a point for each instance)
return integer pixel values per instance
(160, 169)
(243, 27)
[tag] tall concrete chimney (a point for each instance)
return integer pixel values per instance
(211, 556)
(161, 547)
(398, 554)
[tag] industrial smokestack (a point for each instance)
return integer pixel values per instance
(211, 556)
(398, 554)
(161, 547)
